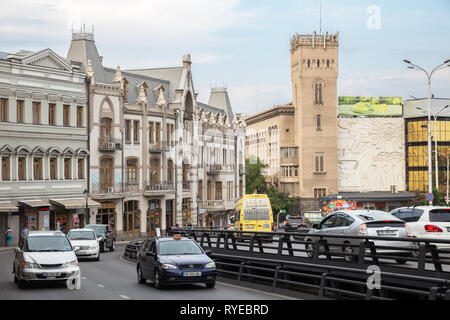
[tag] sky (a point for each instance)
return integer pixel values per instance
(244, 44)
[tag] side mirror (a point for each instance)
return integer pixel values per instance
(208, 252)
(76, 249)
(17, 250)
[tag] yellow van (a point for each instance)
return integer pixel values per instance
(253, 213)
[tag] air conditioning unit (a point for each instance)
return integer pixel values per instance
(393, 189)
(110, 145)
(109, 189)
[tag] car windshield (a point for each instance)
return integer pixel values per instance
(47, 244)
(82, 235)
(257, 214)
(178, 247)
(97, 229)
(440, 215)
(294, 220)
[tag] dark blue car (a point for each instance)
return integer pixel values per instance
(174, 260)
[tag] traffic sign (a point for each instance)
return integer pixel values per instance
(430, 196)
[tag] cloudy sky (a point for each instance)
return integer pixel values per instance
(244, 44)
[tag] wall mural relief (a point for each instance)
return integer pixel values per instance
(371, 154)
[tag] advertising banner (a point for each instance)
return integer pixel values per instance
(315, 217)
(371, 106)
(329, 206)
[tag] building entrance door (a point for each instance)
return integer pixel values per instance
(62, 222)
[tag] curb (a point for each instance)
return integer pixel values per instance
(3, 249)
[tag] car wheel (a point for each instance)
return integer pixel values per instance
(98, 257)
(113, 246)
(309, 249)
(21, 283)
(210, 284)
(157, 280)
(349, 257)
(102, 247)
(15, 279)
(140, 276)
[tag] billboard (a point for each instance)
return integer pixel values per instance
(371, 106)
(329, 206)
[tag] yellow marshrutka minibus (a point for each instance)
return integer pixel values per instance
(253, 213)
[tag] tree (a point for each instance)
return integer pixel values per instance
(255, 181)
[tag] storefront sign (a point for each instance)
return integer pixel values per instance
(371, 106)
(334, 205)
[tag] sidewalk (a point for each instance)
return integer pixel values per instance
(6, 248)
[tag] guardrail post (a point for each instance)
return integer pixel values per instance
(219, 238)
(261, 249)
(447, 294)
(275, 277)
(226, 240)
(241, 267)
(434, 291)
(373, 251)
(323, 281)
(252, 243)
(423, 249)
(316, 250)
(324, 242)
(233, 241)
(289, 246)
(280, 245)
(362, 253)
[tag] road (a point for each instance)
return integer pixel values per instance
(113, 278)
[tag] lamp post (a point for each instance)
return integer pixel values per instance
(429, 75)
(443, 154)
(86, 196)
(436, 166)
(198, 210)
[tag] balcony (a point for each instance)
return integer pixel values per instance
(219, 169)
(107, 191)
(289, 161)
(186, 186)
(159, 146)
(132, 187)
(212, 205)
(107, 144)
(153, 188)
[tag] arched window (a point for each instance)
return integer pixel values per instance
(318, 92)
(309, 63)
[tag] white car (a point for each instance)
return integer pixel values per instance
(426, 222)
(87, 243)
(43, 256)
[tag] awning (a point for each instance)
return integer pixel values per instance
(35, 203)
(7, 206)
(75, 203)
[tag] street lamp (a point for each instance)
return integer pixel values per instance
(86, 196)
(198, 210)
(446, 198)
(435, 116)
(429, 75)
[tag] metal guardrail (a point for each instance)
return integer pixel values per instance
(132, 249)
(327, 270)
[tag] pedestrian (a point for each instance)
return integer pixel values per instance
(23, 235)
(9, 236)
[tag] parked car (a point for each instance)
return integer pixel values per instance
(426, 222)
(361, 223)
(173, 261)
(105, 236)
(87, 243)
(45, 256)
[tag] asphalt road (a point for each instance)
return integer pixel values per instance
(115, 279)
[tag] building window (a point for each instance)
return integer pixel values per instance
(81, 169)
(20, 111)
(318, 88)
(36, 112)
(319, 162)
(67, 168)
(5, 169)
(218, 195)
(106, 174)
(3, 109)
(128, 131)
(53, 168)
(200, 190)
(79, 116)
(105, 129)
(157, 133)
(66, 115)
(320, 193)
(170, 171)
(154, 171)
(151, 136)
(319, 122)
(131, 217)
(132, 170)
(230, 190)
(37, 168)
(21, 167)
(136, 131)
(51, 114)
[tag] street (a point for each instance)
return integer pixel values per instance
(115, 279)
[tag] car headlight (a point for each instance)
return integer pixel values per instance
(71, 264)
(168, 266)
(30, 265)
(210, 265)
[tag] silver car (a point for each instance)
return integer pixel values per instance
(372, 223)
(45, 255)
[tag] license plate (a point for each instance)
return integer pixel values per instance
(51, 274)
(249, 227)
(387, 233)
(192, 274)
(448, 229)
(266, 226)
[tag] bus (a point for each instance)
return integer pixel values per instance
(253, 213)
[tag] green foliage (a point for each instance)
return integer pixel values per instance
(438, 198)
(255, 181)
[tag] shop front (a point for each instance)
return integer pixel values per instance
(67, 214)
(34, 214)
(6, 209)
(107, 214)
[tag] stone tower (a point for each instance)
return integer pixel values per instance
(314, 72)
